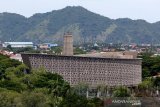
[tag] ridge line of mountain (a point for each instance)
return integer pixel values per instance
(86, 27)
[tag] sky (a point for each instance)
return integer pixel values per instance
(148, 10)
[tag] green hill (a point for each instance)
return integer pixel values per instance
(86, 27)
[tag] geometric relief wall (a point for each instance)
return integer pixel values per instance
(89, 70)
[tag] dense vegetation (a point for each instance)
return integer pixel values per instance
(150, 65)
(37, 88)
(150, 75)
(85, 26)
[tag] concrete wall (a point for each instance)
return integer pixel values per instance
(89, 70)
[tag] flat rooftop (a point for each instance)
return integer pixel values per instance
(120, 55)
(82, 56)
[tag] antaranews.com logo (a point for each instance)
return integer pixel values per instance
(122, 101)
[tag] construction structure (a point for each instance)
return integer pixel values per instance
(88, 69)
(68, 45)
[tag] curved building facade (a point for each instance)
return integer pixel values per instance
(93, 71)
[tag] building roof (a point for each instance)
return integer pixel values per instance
(76, 56)
(19, 43)
(123, 55)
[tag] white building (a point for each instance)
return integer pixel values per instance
(16, 57)
(18, 44)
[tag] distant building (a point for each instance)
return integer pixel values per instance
(18, 44)
(16, 57)
(47, 45)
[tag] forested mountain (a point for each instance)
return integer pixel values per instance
(85, 26)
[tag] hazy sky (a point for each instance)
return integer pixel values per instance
(134, 9)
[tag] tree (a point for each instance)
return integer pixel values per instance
(10, 98)
(81, 89)
(145, 72)
(74, 100)
(150, 65)
(121, 92)
(34, 99)
(157, 82)
(9, 48)
(79, 51)
(6, 62)
(57, 50)
(145, 88)
(95, 102)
